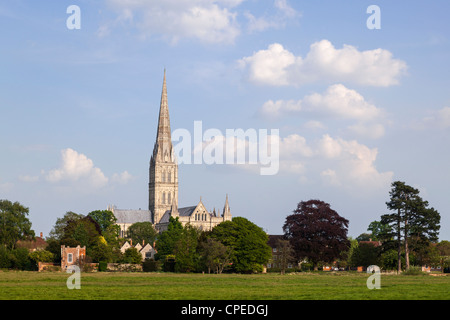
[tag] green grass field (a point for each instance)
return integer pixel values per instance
(168, 286)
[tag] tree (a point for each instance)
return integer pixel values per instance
(185, 249)
(215, 255)
(411, 217)
(133, 256)
(83, 232)
(247, 242)
(14, 224)
(316, 232)
(365, 254)
(105, 219)
(142, 231)
(57, 232)
(165, 244)
(378, 230)
(285, 254)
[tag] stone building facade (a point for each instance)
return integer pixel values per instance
(163, 187)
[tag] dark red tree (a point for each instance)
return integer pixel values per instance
(316, 232)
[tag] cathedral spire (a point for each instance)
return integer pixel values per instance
(163, 145)
(226, 208)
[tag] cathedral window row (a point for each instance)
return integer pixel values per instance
(200, 217)
(168, 176)
(169, 198)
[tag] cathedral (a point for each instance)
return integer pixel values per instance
(163, 187)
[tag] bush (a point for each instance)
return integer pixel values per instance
(414, 271)
(150, 265)
(102, 266)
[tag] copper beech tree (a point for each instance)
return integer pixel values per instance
(316, 232)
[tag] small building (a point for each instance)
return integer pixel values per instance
(147, 251)
(72, 256)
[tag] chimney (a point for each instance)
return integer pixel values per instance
(41, 235)
(143, 242)
(131, 242)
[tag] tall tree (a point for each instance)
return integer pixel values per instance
(247, 242)
(57, 232)
(141, 232)
(14, 224)
(104, 218)
(285, 254)
(411, 217)
(316, 232)
(165, 244)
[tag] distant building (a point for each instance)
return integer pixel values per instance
(72, 256)
(32, 245)
(163, 187)
(147, 251)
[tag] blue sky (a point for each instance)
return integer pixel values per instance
(356, 108)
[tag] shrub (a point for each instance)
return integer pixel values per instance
(102, 266)
(150, 265)
(414, 271)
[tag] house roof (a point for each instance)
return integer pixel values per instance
(132, 216)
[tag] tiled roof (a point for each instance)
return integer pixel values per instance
(132, 216)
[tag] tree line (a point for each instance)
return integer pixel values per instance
(313, 235)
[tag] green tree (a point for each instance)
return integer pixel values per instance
(185, 250)
(14, 224)
(247, 242)
(378, 230)
(57, 231)
(411, 218)
(105, 219)
(41, 256)
(141, 232)
(215, 255)
(165, 244)
(365, 255)
(131, 255)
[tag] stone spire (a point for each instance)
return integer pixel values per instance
(163, 173)
(163, 145)
(226, 210)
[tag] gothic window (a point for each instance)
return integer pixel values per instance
(163, 177)
(168, 197)
(164, 198)
(169, 177)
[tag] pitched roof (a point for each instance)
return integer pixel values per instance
(183, 212)
(132, 216)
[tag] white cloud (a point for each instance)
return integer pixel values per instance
(76, 166)
(278, 66)
(284, 13)
(206, 20)
(28, 178)
(337, 102)
(122, 178)
(439, 119)
(336, 161)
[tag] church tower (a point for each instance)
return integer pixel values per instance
(163, 177)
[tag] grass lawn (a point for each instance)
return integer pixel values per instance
(171, 286)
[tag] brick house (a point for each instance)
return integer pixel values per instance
(72, 256)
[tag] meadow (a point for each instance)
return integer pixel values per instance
(22, 285)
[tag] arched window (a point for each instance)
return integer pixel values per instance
(163, 179)
(168, 198)
(164, 198)
(169, 177)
